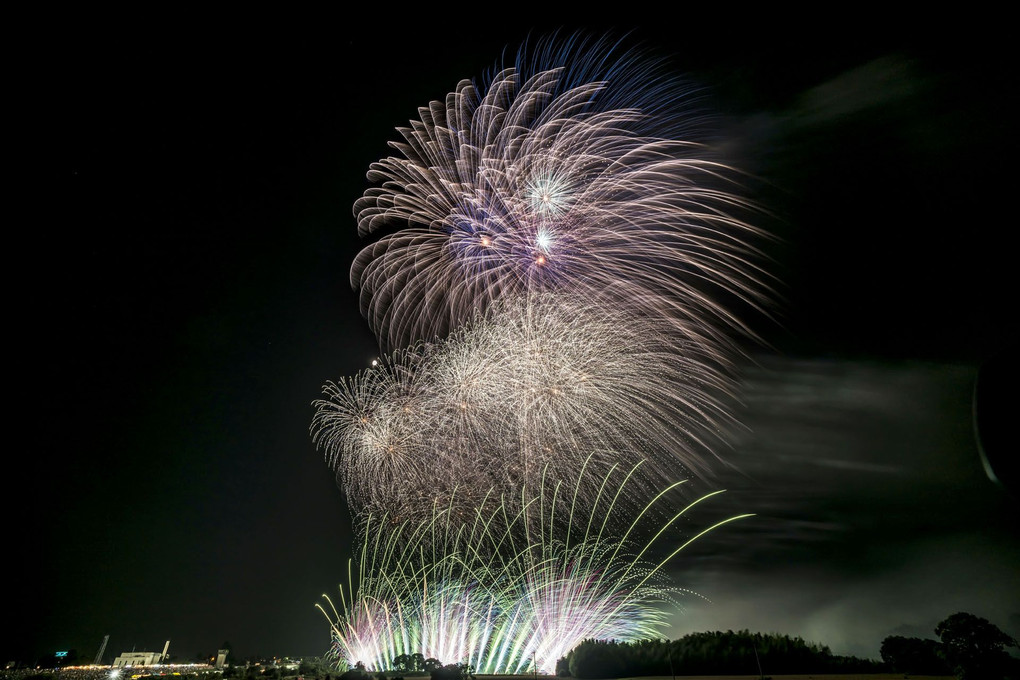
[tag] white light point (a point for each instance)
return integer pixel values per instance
(544, 240)
(548, 196)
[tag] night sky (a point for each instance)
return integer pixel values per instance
(179, 282)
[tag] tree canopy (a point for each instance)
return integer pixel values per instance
(975, 648)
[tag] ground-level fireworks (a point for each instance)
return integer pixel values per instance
(497, 594)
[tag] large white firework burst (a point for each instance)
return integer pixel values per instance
(537, 391)
(564, 172)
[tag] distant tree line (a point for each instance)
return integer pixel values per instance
(969, 647)
(712, 653)
(414, 665)
(307, 668)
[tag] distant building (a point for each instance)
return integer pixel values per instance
(221, 657)
(137, 659)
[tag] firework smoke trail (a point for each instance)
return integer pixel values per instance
(552, 180)
(537, 391)
(477, 593)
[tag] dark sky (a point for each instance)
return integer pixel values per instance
(179, 280)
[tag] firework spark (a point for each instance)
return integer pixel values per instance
(553, 178)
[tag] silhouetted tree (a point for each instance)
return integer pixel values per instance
(914, 655)
(417, 661)
(453, 671)
(597, 659)
(313, 667)
(975, 648)
(356, 673)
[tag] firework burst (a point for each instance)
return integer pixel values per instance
(538, 391)
(552, 178)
